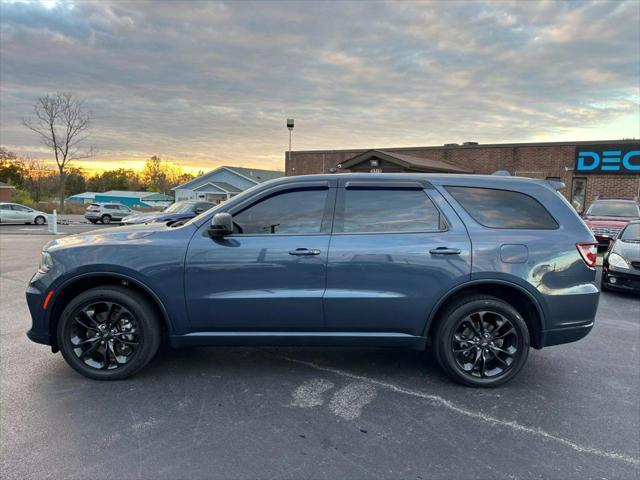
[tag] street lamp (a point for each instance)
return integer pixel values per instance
(290, 127)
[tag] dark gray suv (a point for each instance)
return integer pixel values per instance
(479, 268)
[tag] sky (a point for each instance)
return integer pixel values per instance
(205, 84)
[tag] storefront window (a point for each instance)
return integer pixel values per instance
(578, 193)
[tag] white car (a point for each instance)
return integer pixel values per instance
(15, 213)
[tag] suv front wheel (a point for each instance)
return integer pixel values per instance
(108, 333)
(481, 341)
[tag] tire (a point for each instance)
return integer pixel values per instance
(133, 346)
(39, 220)
(485, 355)
(105, 219)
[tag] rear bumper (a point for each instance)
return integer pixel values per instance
(559, 336)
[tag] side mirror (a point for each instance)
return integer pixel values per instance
(221, 225)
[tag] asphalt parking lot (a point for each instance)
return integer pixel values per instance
(573, 412)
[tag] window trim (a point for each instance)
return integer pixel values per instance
(557, 227)
(340, 201)
(326, 224)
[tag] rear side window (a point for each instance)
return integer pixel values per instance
(503, 208)
(380, 210)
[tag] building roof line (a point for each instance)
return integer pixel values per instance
(479, 145)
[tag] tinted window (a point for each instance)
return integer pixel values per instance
(614, 209)
(383, 210)
(297, 211)
(20, 208)
(631, 233)
(5, 207)
(502, 208)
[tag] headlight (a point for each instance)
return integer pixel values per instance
(46, 263)
(616, 260)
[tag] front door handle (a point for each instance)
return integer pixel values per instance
(304, 251)
(444, 251)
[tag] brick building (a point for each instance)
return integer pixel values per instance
(588, 169)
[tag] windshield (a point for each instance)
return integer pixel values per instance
(180, 207)
(631, 233)
(612, 209)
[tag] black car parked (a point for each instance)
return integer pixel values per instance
(621, 265)
(179, 211)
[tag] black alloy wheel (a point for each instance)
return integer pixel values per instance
(481, 341)
(108, 333)
(104, 335)
(485, 344)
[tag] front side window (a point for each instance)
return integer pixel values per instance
(289, 212)
(20, 208)
(502, 208)
(386, 210)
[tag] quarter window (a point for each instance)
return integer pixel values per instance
(386, 210)
(290, 212)
(503, 208)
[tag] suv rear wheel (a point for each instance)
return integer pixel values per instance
(481, 341)
(108, 333)
(105, 219)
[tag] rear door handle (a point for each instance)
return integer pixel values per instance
(304, 251)
(445, 251)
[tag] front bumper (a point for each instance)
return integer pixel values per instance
(39, 331)
(621, 281)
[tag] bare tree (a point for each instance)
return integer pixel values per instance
(62, 123)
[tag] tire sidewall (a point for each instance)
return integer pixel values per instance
(148, 332)
(105, 219)
(447, 330)
(39, 220)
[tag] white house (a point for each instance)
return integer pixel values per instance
(223, 183)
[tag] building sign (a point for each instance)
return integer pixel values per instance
(607, 159)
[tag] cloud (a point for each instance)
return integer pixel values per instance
(210, 83)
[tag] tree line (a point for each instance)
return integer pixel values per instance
(36, 181)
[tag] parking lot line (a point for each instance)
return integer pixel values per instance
(463, 411)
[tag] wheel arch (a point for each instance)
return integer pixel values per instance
(80, 283)
(514, 294)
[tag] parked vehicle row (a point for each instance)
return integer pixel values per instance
(115, 212)
(607, 216)
(16, 213)
(479, 267)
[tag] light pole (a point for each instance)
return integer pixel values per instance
(290, 127)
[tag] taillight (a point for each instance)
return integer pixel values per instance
(588, 252)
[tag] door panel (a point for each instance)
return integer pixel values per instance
(254, 283)
(391, 281)
(270, 274)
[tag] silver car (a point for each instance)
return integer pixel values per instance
(106, 212)
(16, 213)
